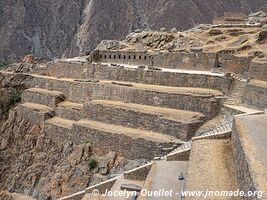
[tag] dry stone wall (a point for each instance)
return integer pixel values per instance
(87, 91)
(136, 119)
(243, 173)
(103, 142)
(258, 70)
(205, 104)
(255, 94)
(120, 73)
(229, 63)
(74, 91)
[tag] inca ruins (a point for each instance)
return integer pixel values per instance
(162, 110)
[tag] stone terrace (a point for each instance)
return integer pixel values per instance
(249, 138)
(150, 117)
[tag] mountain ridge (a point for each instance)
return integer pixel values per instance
(51, 29)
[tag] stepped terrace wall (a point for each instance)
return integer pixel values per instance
(258, 70)
(249, 150)
(104, 140)
(73, 90)
(255, 94)
(204, 103)
(120, 73)
(105, 90)
(233, 64)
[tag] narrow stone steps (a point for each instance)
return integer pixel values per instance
(175, 122)
(218, 130)
(42, 96)
(69, 110)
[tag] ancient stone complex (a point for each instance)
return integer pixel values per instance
(189, 104)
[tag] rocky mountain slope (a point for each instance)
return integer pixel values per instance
(49, 28)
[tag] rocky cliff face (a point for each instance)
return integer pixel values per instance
(50, 28)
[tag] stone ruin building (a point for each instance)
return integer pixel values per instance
(230, 18)
(188, 105)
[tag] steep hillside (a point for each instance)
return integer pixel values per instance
(50, 28)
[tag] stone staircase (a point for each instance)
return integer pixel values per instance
(236, 91)
(186, 146)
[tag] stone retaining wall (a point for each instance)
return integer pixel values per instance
(233, 64)
(103, 142)
(179, 156)
(119, 73)
(85, 91)
(148, 121)
(205, 104)
(241, 165)
(258, 70)
(74, 91)
(255, 94)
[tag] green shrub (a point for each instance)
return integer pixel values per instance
(3, 65)
(92, 163)
(15, 97)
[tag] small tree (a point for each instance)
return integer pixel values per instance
(3, 65)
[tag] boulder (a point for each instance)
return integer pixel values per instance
(258, 14)
(173, 30)
(213, 32)
(262, 38)
(106, 163)
(264, 21)
(108, 45)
